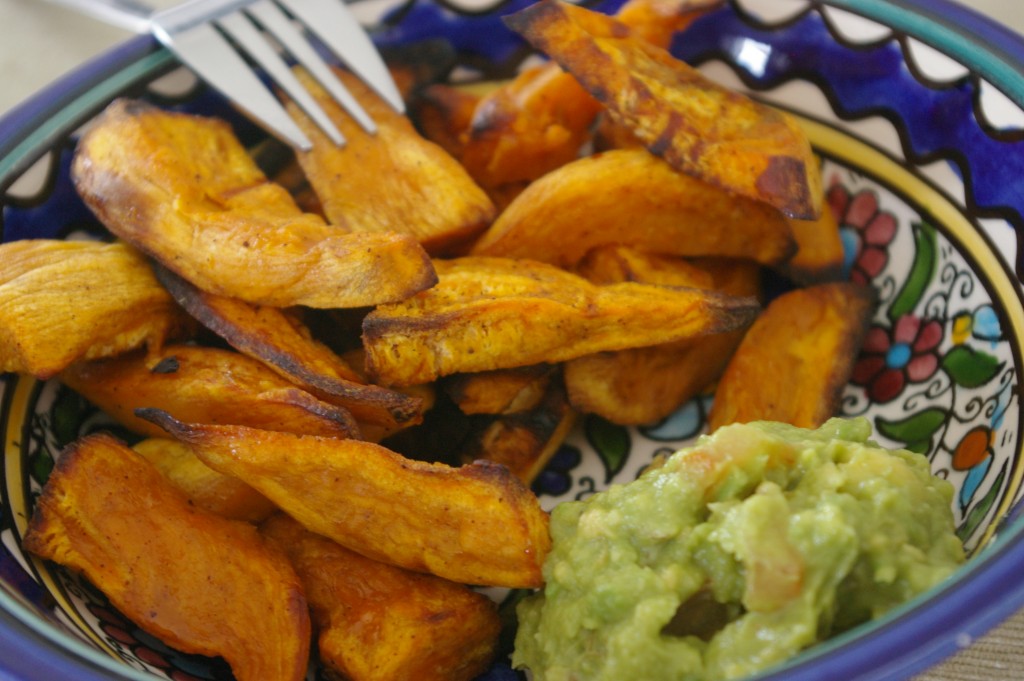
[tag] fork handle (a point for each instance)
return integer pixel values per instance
(128, 14)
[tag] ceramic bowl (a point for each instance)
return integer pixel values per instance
(915, 110)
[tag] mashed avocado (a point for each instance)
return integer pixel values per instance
(735, 554)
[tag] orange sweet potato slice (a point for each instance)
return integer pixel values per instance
(207, 385)
(200, 583)
(527, 127)
(657, 21)
(494, 313)
(819, 254)
(206, 488)
(502, 391)
(699, 127)
(378, 622)
(523, 440)
(183, 190)
(632, 197)
(272, 337)
(475, 524)
(796, 358)
(65, 301)
(643, 385)
(391, 181)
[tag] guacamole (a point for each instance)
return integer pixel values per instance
(735, 554)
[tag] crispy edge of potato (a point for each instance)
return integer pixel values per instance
(492, 313)
(204, 384)
(700, 127)
(502, 391)
(657, 21)
(378, 622)
(220, 494)
(474, 524)
(819, 254)
(108, 513)
(62, 302)
(796, 358)
(268, 335)
(524, 440)
(182, 189)
(632, 197)
(527, 127)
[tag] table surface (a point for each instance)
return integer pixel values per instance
(72, 40)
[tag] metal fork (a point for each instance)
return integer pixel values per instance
(197, 32)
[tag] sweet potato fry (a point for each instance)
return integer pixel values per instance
(427, 195)
(496, 313)
(657, 21)
(64, 301)
(267, 334)
(523, 440)
(796, 358)
(184, 190)
(527, 127)
(475, 524)
(378, 622)
(819, 253)
(643, 385)
(443, 114)
(699, 127)
(198, 582)
(205, 385)
(502, 391)
(633, 198)
(217, 493)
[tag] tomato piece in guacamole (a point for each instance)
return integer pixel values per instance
(735, 554)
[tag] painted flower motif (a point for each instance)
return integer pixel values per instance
(982, 324)
(866, 232)
(891, 358)
(974, 454)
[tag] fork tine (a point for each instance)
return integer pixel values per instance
(277, 23)
(335, 25)
(204, 50)
(242, 30)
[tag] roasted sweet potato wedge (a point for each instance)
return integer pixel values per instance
(391, 181)
(200, 583)
(657, 21)
(523, 440)
(443, 114)
(644, 385)
(701, 128)
(279, 341)
(64, 301)
(205, 385)
(796, 358)
(495, 313)
(527, 127)
(502, 391)
(819, 253)
(634, 198)
(217, 493)
(183, 189)
(475, 524)
(378, 622)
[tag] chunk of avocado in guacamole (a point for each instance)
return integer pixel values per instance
(735, 554)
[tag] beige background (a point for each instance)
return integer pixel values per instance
(40, 42)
